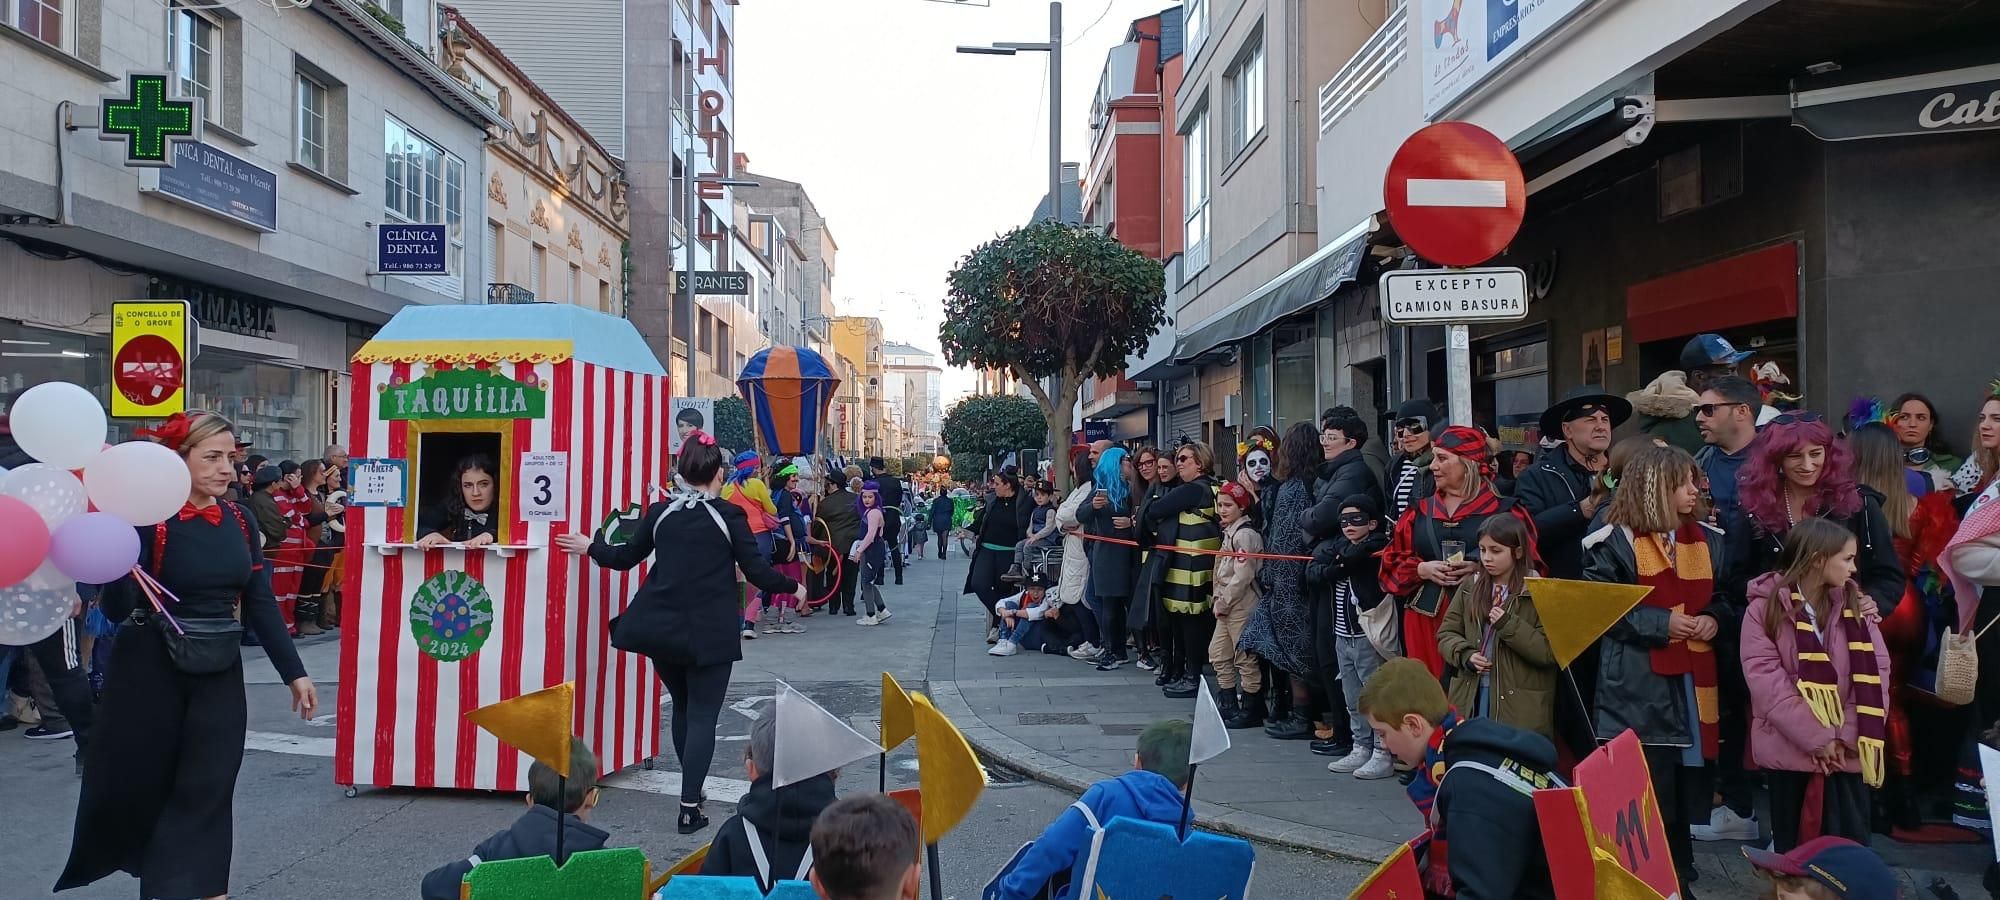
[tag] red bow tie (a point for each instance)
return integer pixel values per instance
(213, 513)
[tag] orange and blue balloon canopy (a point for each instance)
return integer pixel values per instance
(788, 390)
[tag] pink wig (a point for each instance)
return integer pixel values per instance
(1760, 483)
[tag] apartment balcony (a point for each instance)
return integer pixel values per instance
(1385, 50)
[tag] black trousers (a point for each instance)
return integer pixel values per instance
(60, 657)
(1683, 793)
(944, 541)
(850, 578)
(1844, 809)
(1113, 627)
(160, 781)
(892, 529)
(1186, 637)
(698, 692)
(987, 567)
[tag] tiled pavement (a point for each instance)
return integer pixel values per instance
(1060, 721)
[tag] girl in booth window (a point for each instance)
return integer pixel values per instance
(471, 515)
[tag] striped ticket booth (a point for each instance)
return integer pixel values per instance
(569, 407)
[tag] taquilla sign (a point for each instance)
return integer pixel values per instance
(463, 394)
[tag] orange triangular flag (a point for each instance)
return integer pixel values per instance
(948, 772)
(1576, 613)
(899, 718)
(1396, 878)
(537, 724)
(1615, 882)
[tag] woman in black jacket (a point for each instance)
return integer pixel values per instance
(1001, 525)
(1114, 567)
(685, 617)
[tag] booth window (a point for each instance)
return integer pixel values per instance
(439, 497)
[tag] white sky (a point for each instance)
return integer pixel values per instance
(914, 153)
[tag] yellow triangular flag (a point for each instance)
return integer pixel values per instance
(1576, 613)
(537, 724)
(947, 770)
(899, 722)
(1615, 882)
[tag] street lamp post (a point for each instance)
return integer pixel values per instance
(1054, 49)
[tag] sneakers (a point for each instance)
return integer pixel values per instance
(1355, 759)
(767, 623)
(789, 625)
(749, 631)
(868, 620)
(1147, 662)
(1108, 663)
(1380, 765)
(1183, 689)
(1086, 651)
(883, 616)
(45, 733)
(992, 634)
(1725, 825)
(1003, 648)
(1331, 747)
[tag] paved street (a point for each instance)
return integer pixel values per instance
(298, 838)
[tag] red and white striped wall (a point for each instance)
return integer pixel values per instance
(401, 713)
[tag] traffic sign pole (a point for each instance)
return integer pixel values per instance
(1456, 194)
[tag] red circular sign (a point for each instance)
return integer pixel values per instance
(148, 370)
(1455, 193)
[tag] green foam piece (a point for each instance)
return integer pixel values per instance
(618, 874)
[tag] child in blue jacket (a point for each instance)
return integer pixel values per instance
(1150, 792)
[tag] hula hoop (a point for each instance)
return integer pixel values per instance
(835, 564)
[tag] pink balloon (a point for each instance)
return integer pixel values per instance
(94, 548)
(27, 542)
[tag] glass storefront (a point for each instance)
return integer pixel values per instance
(1511, 388)
(281, 410)
(1295, 372)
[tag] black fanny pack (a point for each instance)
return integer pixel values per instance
(201, 646)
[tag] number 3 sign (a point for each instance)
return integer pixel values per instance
(544, 486)
(1607, 828)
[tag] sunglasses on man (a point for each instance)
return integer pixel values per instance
(1711, 410)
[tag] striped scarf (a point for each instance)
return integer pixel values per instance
(1683, 580)
(1819, 683)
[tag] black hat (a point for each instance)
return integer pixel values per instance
(1418, 409)
(1580, 402)
(267, 476)
(875, 462)
(1364, 503)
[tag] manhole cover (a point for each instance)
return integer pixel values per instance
(1063, 718)
(1122, 730)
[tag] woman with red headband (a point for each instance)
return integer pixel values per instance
(1434, 546)
(160, 775)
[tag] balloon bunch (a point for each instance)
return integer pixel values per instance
(70, 515)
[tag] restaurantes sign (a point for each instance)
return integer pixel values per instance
(462, 394)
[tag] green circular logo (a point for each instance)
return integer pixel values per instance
(451, 616)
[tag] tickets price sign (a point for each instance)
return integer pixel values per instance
(378, 482)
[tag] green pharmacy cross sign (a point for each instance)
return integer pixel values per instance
(148, 120)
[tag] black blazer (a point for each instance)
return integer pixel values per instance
(685, 613)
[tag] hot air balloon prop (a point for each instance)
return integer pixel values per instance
(788, 390)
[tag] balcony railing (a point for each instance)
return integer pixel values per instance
(1385, 49)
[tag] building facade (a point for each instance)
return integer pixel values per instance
(1746, 168)
(318, 124)
(916, 392)
(792, 210)
(555, 196)
(859, 339)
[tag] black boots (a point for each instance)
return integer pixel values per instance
(1294, 727)
(1248, 715)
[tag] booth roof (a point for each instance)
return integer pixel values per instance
(536, 332)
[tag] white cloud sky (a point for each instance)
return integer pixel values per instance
(913, 152)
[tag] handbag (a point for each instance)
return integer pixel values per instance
(1384, 628)
(1958, 666)
(199, 646)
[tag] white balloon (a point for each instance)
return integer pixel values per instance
(138, 481)
(53, 492)
(35, 607)
(58, 423)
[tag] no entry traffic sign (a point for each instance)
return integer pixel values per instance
(1455, 193)
(149, 351)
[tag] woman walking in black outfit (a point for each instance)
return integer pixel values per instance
(160, 774)
(685, 618)
(1001, 525)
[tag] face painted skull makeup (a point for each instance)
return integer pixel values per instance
(1258, 464)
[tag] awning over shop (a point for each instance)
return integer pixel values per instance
(1963, 99)
(1315, 278)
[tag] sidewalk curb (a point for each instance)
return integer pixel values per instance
(1051, 770)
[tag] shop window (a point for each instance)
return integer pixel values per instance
(1293, 373)
(440, 448)
(280, 410)
(1702, 175)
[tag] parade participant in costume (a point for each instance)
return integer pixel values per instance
(1363, 633)
(1556, 489)
(1797, 470)
(1156, 476)
(770, 837)
(268, 511)
(1431, 549)
(1494, 635)
(160, 774)
(1256, 463)
(1236, 595)
(836, 526)
(534, 833)
(1824, 868)
(1151, 792)
(1114, 567)
(684, 616)
(1474, 782)
(790, 545)
(1408, 478)
(1918, 432)
(1343, 473)
(1184, 520)
(469, 515)
(748, 491)
(1000, 525)
(1657, 670)
(302, 542)
(1815, 663)
(1280, 631)
(871, 553)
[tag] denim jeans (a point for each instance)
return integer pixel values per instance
(1358, 661)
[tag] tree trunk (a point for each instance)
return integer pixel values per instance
(1057, 411)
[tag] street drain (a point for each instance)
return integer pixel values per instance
(1122, 730)
(1061, 718)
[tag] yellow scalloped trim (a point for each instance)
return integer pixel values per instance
(462, 352)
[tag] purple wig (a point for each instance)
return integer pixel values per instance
(1760, 483)
(861, 507)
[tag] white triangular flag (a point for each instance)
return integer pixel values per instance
(1211, 737)
(811, 741)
